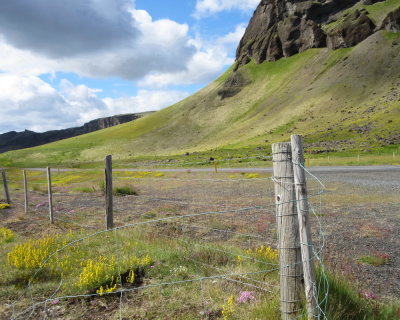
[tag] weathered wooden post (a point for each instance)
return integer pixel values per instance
(288, 233)
(304, 227)
(50, 193)
(26, 192)
(108, 193)
(5, 184)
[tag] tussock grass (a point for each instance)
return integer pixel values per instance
(375, 260)
(345, 303)
(125, 191)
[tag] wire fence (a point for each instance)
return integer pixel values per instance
(207, 236)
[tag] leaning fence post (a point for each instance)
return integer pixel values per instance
(26, 192)
(304, 227)
(3, 174)
(108, 193)
(50, 193)
(288, 234)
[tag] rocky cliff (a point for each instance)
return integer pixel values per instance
(392, 21)
(19, 140)
(282, 28)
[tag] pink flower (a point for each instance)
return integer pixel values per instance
(246, 296)
(41, 204)
(56, 301)
(369, 295)
(152, 267)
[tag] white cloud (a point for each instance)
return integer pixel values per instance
(204, 66)
(233, 37)
(31, 45)
(24, 62)
(27, 102)
(209, 7)
(145, 100)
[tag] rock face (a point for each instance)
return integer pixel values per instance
(18, 140)
(282, 28)
(392, 21)
(355, 28)
(103, 123)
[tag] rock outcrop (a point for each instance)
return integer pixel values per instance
(355, 28)
(392, 21)
(19, 140)
(282, 28)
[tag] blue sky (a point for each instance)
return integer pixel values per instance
(63, 63)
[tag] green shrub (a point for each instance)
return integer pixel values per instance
(124, 191)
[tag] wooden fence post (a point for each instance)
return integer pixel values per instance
(288, 233)
(5, 184)
(50, 193)
(109, 193)
(304, 227)
(26, 192)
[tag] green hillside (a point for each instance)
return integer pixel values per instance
(346, 99)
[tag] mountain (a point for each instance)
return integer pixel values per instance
(329, 70)
(18, 140)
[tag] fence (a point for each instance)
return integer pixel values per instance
(221, 226)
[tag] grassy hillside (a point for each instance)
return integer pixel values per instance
(346, 99)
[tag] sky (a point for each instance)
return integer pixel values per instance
(64, 63)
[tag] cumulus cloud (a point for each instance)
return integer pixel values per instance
(233, 37)
(27, 102)
(97, 38)
(163, 45)
(24, 62)
(209, 7)
(204, 66)
(59, 28)
(33, 41)
(145, 100)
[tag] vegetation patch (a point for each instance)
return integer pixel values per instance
(6, 235)
(376, 259)
(84, 189)
(4, 206)
(125, 191)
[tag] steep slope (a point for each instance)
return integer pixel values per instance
(342, 99)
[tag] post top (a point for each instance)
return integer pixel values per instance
(281, 147)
